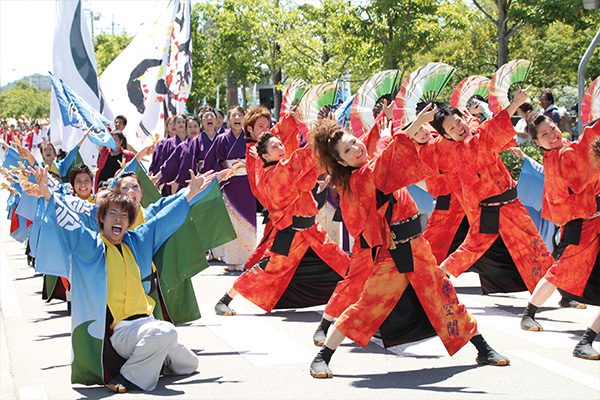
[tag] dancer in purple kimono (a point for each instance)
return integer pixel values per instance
(157, 159)
(170, 168)
(229, 151)
(193, 157)
(168, 149)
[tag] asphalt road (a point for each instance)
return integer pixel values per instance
(255, 355)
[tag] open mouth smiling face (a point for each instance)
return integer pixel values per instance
(116, 222)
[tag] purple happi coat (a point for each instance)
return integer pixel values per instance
(170, 167)
(227, 150)
(192, 157)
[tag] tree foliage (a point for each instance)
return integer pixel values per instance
(107, 47)
(400, 29)
(239, 43)
(326, 43)
(25, 101)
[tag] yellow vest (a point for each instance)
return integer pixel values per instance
(54, 169)
(139, 219)
(126, 296)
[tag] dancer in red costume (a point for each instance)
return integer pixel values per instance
(382, 217)
(300, 247)
(572, 201)
(448, 225)
(502, 243)
(256, 121)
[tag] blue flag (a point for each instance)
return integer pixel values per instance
(76, 112)
(342, 114)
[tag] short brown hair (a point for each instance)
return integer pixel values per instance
(128, 174)
(79, 169)
(45, 144)
(253, 114)
(235, 108)
(118, 199)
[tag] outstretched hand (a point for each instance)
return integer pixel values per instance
(516, 151)
(323, 183)
(41, 177)
(198, 183)
(294, 112)
(521, 95)
(425, 115)
(385, 127)
(520, 98)
(145, 152)
(253, 152)
(388, 109)
(224, 174)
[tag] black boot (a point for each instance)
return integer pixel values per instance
(485, 353)
(222, 306)
(584, 348)
(319, 367)
(567, 302)
(528, 321)
(321, 332)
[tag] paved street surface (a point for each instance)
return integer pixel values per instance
(255, 355)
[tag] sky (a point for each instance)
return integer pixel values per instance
(27, 29)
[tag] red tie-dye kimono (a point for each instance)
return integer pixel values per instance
(286, 190)
(482, 175)
(396, 167)
(571, 189)
(444, 185)
(287, 131)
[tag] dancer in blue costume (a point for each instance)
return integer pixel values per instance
(120, 307)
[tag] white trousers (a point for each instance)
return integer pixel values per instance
(147, 344)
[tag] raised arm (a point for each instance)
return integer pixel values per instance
(577, 164)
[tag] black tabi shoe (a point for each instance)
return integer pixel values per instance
(571, 304)
(120, 384)
(319, 336)
(320, 369)
(492, 357)
(584, 348)
(585, 351)
(530, 324)
(223, 309)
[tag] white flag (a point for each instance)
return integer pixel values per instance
(75, 62)
(151, 79)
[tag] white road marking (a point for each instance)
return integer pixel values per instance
(432, 347)
(559, 368)
(8, 293)
(509, 323)
(588, 313)
(257, 341)
(36, 392)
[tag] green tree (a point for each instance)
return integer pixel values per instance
(224, 53)
(325, 43)
(268, 23)
(25, 100)
(107, 47)
(400, 30)
(464, 41)
(241, 45)
(510, 17)
(556, 51)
